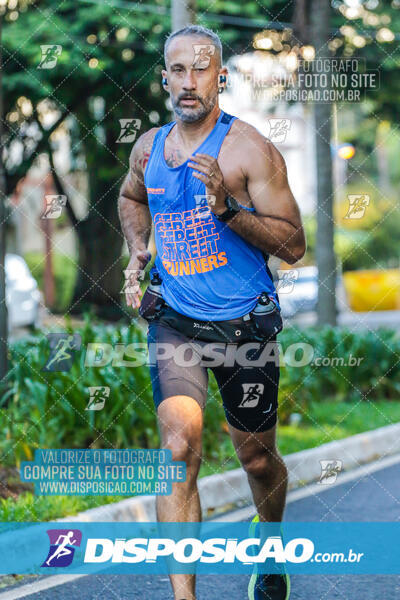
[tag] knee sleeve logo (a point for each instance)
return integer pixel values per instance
(252, 393)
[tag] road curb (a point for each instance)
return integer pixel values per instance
(232, 488)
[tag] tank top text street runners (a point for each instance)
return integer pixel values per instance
(190, 242)
(208, 271)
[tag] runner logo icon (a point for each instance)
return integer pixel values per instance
(62, 347)
(129, 129)
(62, 547)
(329, 470)
(98, 397)
(252, 393)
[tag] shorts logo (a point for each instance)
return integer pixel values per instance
(202, 326)
(62, 542)
(252, 393)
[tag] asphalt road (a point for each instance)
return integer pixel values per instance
(373, 497)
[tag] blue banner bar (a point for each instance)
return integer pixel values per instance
(210, 547)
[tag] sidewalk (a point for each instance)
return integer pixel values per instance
(225, 491)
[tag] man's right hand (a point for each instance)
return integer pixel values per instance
(133, 275)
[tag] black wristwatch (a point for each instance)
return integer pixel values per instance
(232, 209)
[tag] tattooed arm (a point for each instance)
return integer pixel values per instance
(276, 226)
(134, 212)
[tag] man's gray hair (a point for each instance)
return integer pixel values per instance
(198, 30)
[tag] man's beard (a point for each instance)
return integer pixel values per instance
(190, 115)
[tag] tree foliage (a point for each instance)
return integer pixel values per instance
(109, 69)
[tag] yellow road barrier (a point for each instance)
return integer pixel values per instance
(373, 289)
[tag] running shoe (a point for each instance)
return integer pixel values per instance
(263, 586)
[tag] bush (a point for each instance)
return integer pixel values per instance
(47, 409)
(376, 376)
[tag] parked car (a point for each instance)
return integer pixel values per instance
(22, 294)
(299, 293)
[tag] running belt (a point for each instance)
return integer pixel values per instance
(208, 271)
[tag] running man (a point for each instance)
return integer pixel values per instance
(63, 351)
(62, 549)
(213, 267)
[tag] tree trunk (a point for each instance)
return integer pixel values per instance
(100, 278)
(326, 261)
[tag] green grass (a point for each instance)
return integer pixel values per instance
(46, 508)
(332, 420)
(325, 422)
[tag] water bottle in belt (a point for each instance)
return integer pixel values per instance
(152, 300)
(266, 316)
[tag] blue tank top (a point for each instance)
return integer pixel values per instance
(208, 271)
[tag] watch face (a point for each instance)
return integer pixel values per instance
(232, 203)
(232, 208)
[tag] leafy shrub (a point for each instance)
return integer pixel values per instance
(47, 409)
(376, 376)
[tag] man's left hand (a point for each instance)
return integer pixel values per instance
(210, 174)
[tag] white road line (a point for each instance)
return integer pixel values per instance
(315, 488)
(39, 586)
(237, 515)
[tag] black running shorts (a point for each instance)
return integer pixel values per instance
(247, 374)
